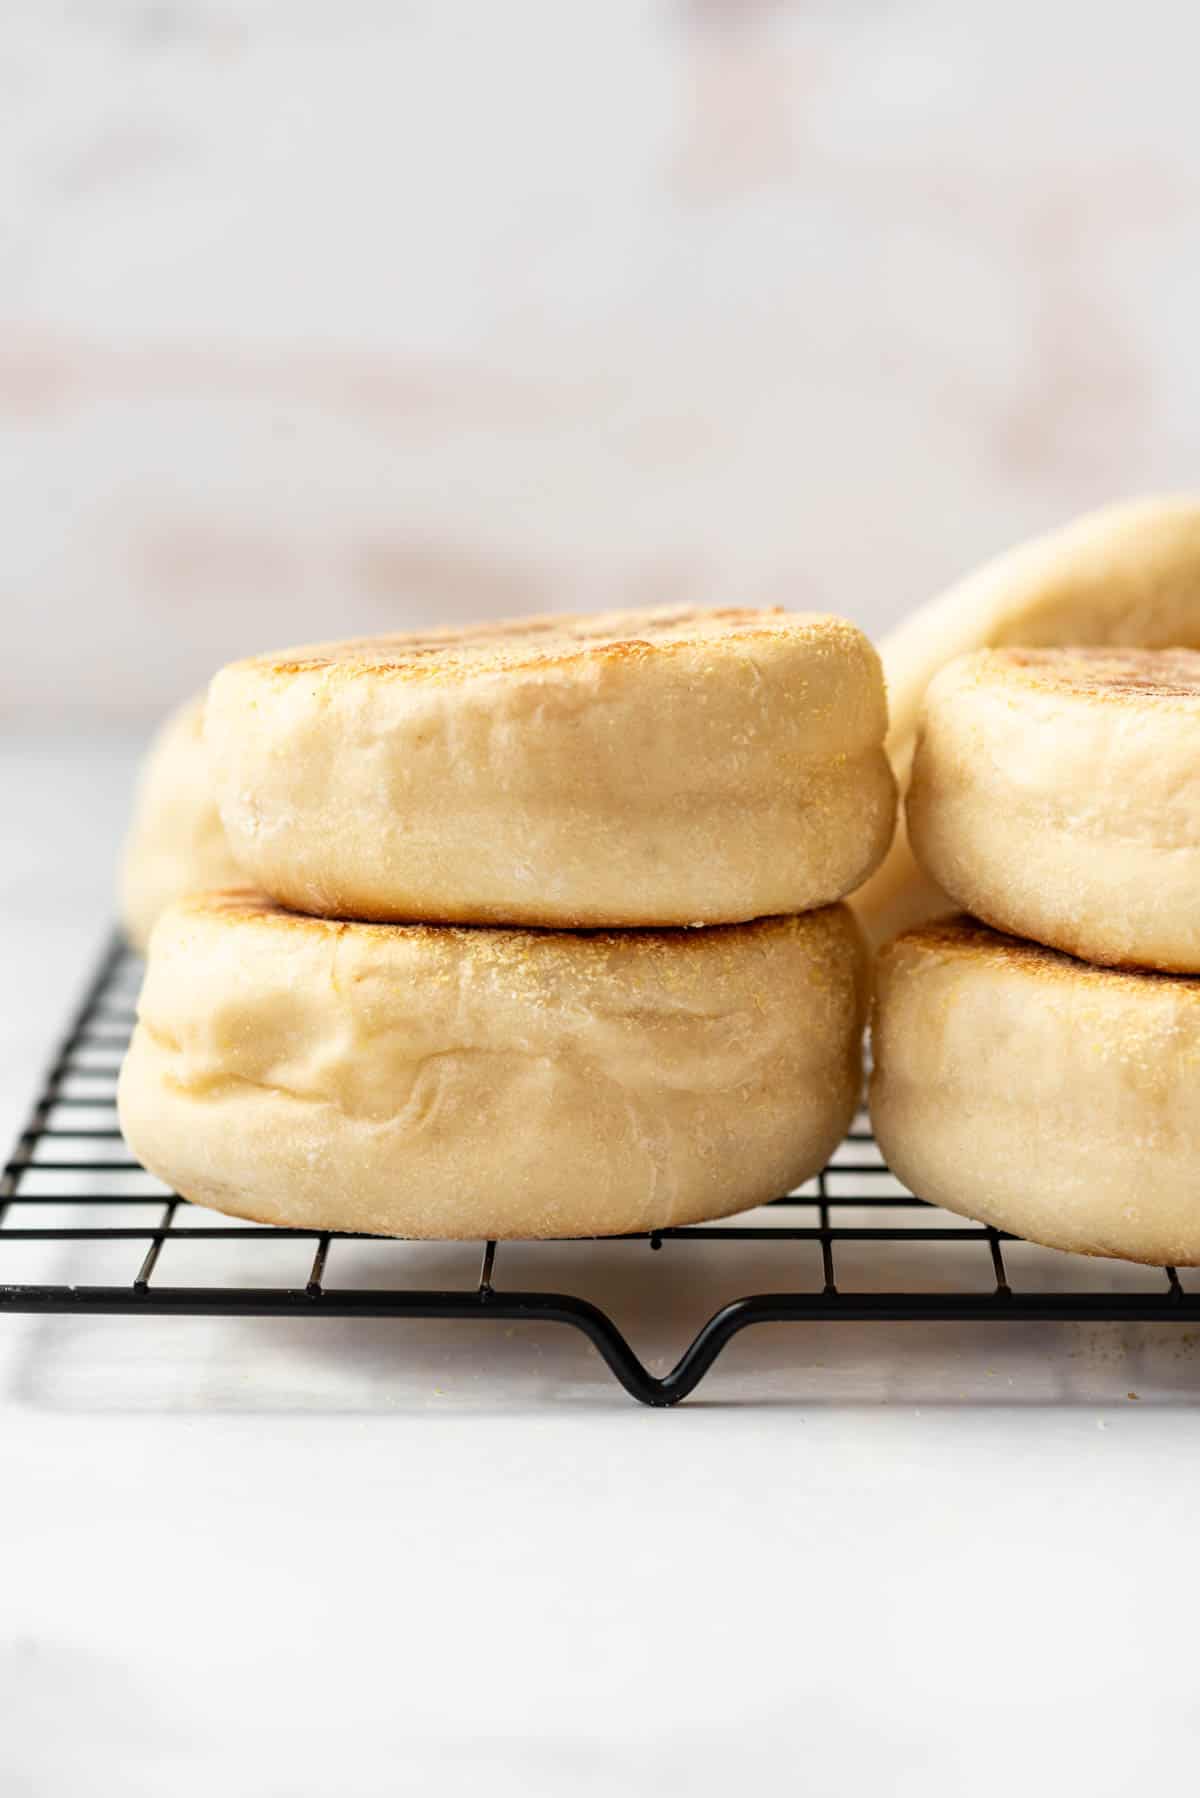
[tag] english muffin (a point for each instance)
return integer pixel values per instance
(448, 1082)
(633, 768)
(1039, 1094)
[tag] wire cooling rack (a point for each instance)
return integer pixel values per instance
(70, 1164)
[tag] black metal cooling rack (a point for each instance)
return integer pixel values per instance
(72, 1138)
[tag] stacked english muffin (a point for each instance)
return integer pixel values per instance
(544, 937)
(1127, 576)
(1047, 1080)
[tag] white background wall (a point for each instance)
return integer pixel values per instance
(332, 314)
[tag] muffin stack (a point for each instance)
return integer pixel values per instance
(1126, 576)
(1047, 1081)
(543, 938)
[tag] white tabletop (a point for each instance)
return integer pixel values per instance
(294, 1558)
